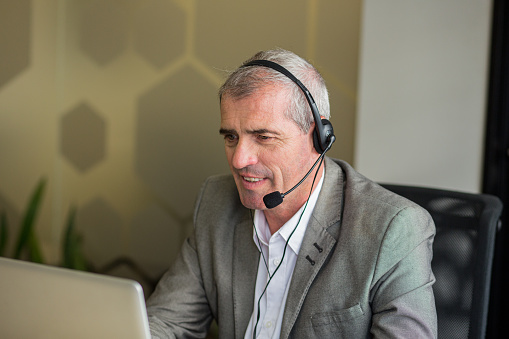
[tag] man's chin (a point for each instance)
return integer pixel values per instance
(253, 203)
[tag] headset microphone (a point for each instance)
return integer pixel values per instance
(323, 135)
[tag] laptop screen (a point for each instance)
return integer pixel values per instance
(40, 301)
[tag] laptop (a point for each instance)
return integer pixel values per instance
(40, 301)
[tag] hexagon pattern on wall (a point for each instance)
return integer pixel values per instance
(102, 229)
(177, 113)
(104, 30)
(177, 120)
(15, 28)
(227, 38)
(83, 137)
(159, 32)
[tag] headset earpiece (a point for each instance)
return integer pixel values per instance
(321, 139)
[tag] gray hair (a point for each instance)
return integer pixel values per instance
(247, 80)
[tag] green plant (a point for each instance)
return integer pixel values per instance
(27, 244)
(27, 241)
(72, 255)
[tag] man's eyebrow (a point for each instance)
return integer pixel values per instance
(224, 131)
(263, 131)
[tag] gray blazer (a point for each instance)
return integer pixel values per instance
(372, 278)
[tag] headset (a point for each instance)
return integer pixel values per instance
(323, 133)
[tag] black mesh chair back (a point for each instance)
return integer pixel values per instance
(462, 256)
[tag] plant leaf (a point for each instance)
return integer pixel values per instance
(27, 224)
(71, 246)
(68, 241)
(34, 252)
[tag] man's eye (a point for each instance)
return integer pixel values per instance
(229, 137)
(263, 137)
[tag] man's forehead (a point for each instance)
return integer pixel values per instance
(265, 93)
(253, 120)
(264, 110)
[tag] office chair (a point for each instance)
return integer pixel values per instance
(463, 250)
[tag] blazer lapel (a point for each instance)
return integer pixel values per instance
(245, 268)
(323, 229)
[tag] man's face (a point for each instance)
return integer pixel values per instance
(266, 151)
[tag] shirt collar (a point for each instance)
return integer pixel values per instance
(261, 226)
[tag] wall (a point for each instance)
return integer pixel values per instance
(422, 92)
(114, 103)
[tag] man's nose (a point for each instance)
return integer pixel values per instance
(244, 154)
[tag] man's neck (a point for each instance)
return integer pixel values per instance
(276, 221)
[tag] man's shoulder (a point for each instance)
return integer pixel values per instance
(375, 213)
(217, 194)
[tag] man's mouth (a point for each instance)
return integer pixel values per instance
(251, 179)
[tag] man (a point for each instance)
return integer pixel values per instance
(334, 257)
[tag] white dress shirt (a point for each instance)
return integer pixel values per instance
(273, 301)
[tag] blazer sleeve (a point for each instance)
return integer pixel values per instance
(402, 298)
(179, 307)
